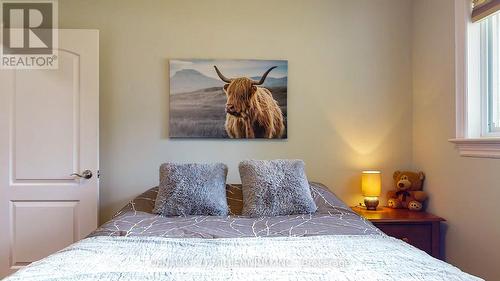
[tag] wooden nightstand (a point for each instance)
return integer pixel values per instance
(419, 229)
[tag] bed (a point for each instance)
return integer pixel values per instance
(334, 243)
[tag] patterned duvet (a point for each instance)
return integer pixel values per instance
(332, 244)
(333, 217)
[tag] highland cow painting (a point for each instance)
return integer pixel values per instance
(235, 99)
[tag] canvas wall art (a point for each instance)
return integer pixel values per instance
(237, 99)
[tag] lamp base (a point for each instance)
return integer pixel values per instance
(371, 203)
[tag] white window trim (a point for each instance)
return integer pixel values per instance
(487, 147)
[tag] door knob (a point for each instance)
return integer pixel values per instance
(87, 174)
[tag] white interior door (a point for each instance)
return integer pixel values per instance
(49, 129)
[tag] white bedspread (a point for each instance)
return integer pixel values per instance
(359, 257)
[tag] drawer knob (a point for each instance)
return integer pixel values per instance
(406, 239)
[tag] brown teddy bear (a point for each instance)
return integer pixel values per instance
(408, 193)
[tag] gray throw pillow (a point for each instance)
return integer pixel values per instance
(275, 188)
(192, 189)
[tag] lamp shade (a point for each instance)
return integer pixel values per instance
(371, 183)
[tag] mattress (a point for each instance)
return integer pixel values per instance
(332, 244)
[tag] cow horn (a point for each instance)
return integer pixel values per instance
(222, 77)
(264, 76)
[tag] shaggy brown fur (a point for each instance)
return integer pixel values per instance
(252, 111)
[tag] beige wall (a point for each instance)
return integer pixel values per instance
(465, 191)
(349, 84)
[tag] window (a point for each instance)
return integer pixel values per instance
(477, 57)
(489, 29)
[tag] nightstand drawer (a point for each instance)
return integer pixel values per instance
(420, 229)
(418, 235)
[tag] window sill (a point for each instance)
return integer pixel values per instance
(480, 147)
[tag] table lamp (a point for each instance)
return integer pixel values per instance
(370, 187)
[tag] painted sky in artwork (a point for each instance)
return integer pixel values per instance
(231, 68)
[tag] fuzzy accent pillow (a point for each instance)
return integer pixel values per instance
(192, 189)
(275, 188)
